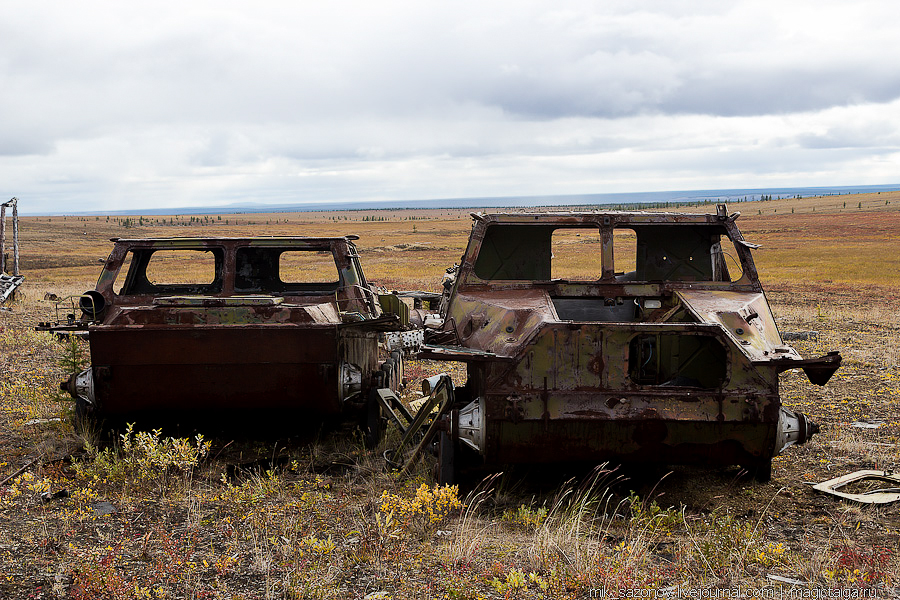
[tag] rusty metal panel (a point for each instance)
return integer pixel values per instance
(645, 440)
(14, 203)
(219, 367)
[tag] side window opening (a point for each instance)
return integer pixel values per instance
(122, 276)
(576, 254)
(677, 360)
(625, 253)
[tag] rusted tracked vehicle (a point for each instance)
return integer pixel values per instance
(622, 335)
(281, 328)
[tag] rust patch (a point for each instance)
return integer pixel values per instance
(595, 365)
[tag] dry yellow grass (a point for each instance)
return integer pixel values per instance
(315, 525)
(807, 241)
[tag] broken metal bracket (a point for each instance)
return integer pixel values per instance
(878, 496)
(818, 370)
(408, 341)
(391, 405)
(440, 388)
(440, 397)
(8, 285)
(460, 353)
(63, 318)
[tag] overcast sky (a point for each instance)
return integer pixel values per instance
(121, 105)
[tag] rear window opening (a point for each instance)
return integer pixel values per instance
(515, 252)
(170, 271)
(306, 266)
(625, 253)
(680, 253)
(280, 271)
(181, 267)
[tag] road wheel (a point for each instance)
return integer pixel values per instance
(446, 465)
(374, 426)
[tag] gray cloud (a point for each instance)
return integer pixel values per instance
(213, 100)
(871, 137)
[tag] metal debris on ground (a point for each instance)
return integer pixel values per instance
(791, 336)
(881, 495)
(782, 579)
(42, 421)
(8, 285)
(103, 508)
(422, 427)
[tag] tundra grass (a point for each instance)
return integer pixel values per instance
(148, 515)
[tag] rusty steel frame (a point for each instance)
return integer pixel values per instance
(14, 204)
(304, 351)
(543, 388)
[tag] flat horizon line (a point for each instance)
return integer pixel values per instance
(701, 196)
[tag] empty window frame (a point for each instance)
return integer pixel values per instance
(515, 252)
(278, 270)
(576, 254)
(539, 253)
(173, 271)
(307, 266)
(181, 267)
(625, 253)
(726, 266)
(680, 253)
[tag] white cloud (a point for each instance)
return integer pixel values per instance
(115, 105)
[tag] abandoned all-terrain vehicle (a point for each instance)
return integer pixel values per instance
(286, 330)
(631, 336)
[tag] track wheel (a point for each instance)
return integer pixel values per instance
(446, 466)
(373, 429)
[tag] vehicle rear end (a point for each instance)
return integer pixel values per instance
(277, 329)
